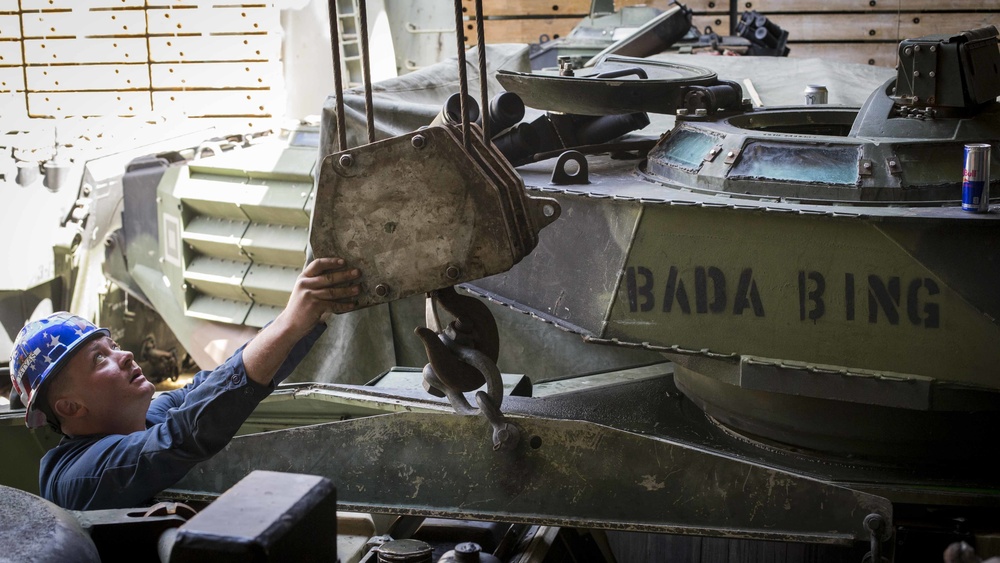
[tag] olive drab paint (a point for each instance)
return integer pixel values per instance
(890, 299)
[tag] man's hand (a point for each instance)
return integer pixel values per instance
(324, 287)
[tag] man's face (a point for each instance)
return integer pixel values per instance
(106, 380)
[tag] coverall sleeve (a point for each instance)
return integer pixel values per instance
(185, 427)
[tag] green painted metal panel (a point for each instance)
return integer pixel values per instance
(216, 277)
(270, 285)
(274, 201)
(218, 196)
(815, 289)
(215, 236)
(218, 309)
(279, 245)
(263, 161)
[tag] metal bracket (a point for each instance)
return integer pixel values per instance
(875, 524)
(570, 168)
(892, 163)
(713, 153)
(865, 167)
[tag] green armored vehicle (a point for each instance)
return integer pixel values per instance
(826, 307)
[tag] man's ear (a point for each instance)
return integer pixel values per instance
(66, 408)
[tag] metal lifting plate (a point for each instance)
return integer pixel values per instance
(419, 212)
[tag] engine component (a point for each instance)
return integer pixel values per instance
(467, 552)
(404, 551)
(266, 516)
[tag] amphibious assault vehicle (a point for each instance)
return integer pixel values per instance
(824, 306)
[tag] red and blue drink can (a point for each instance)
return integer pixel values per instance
(976, 178)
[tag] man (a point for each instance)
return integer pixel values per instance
(119, 449)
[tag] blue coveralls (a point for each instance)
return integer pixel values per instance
(183, 428)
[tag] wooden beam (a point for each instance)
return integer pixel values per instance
(59, 104)
(528, 8)
(878, 54)
(10, 53)
(521, 30)
(212, 20)
(76, 51)
(879, 26)
(79, 78)
(223, 102)
(875, 27)
(83, 24)
(768, 7)
(11, 79)
(10, 26)
(718, 22)
(32, 5)
(215, 48)
(216, 75)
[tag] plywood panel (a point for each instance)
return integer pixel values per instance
(28, 5)
(227, 102)
(216, 75)
(878, 26)
(879, 54)
(12, 105)
(88, 77)
(66, 51)
(84, 24)
(528, 7)
(215, 48)
(10, 53)
(243, 123)
(521, 31)
(768, 7)
(718, 22)
(11, 79)
(213, 20)
(57, 104)
(203, 3)
(10, 26)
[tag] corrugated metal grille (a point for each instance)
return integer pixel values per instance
(245, 226)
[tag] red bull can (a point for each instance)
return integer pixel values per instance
(976, 178)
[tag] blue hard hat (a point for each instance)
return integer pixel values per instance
(41, 349)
